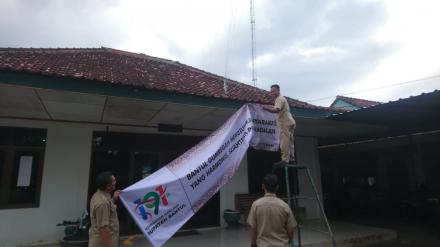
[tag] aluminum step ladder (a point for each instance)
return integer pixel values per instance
(292, 200)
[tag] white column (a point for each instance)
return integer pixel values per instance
(307, 154)
(237, 185)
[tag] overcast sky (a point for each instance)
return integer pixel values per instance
(314, 49)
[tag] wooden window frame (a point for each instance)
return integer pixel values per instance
(6, 174)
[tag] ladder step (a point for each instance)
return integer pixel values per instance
(292, 198)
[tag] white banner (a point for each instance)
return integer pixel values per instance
(161, 203)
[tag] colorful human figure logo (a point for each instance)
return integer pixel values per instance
(151, 200)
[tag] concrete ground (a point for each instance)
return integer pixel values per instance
(409, 233)
(346, 234)
(371, 232)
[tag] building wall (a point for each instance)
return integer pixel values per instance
(237, 185)
(64, 186)
(63, 190)
(307, 154)
(402, 168)
(66, 179)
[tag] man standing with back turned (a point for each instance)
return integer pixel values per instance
(271, 219)
(285, 123)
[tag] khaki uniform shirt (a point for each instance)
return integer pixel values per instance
(283, 117)
(271, 217)
(103, 214)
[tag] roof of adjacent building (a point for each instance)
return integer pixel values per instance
(359, 103)
(409, 115)
(133, 69)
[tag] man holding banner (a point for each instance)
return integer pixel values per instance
(104, 230)
(161, 203)
(285, 123)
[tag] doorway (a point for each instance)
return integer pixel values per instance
(130, 157)
(260, 163)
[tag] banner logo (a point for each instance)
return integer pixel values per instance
(151, 201)
(198, 174)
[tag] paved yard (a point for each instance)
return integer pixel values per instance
(346, 234)
(410, 234)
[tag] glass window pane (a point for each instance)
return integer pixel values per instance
(24, 177)
(145, 164)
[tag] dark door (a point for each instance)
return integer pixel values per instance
(260, 163)
(131, 157)
(117, 162)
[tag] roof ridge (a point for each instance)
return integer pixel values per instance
(177, 63)
(137, 55)
(169, 61)
(247, 85)
(48, 50)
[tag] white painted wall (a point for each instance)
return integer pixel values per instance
(237, 185)
(63, 190)
(307, 154)
(65, 182)
(66, 174)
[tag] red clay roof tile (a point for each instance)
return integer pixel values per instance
(126, 68)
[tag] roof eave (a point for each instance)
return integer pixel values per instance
(37, 80)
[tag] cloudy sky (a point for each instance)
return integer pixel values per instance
(314, 49)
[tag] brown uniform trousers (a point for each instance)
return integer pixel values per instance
(286, 125)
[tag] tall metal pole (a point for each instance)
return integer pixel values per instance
(253, 44)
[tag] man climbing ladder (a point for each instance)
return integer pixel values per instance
(285, 123)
